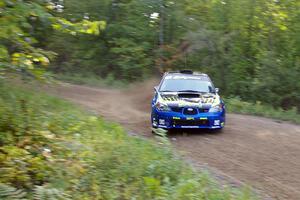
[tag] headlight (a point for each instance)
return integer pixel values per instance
(162, 106)
(216, 108)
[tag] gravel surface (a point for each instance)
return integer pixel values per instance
(261, 152)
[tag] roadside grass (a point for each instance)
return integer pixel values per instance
(236, 105)
(90, 80)
(50, 149)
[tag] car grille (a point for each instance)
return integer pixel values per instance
(180, 122)
(196, 110)
(203, 110)
(176, 109)
(190, 111)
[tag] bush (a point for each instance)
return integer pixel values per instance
(51, 150)
(236, 105)
(91, 80)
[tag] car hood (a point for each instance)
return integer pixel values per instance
(192, 99)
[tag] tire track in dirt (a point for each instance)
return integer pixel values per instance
(258, 151)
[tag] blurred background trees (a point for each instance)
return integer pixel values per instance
(51, 150)
(251, 48)
(25, 27)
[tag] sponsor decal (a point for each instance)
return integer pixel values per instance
(196, 100)
(170, 98)
(187, 103)
(176, 117)
(161, 121)
(217, 122)
(203, 118)
(208, 100)
(189, 126)
(162, 126)
(190, 118)
(180, 77)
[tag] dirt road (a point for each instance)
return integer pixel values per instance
(260, 152)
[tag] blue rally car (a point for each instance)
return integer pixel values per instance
(187, 99)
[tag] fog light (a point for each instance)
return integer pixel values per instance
(154, 122)
(162, 122)
(217, 122)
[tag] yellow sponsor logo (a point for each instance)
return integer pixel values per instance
(190, 118)
(176, 117)
(203, 118)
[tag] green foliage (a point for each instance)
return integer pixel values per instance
(51, 150)
(236, 105)
(10, 193)
(40, 193)
(124, 50)
(84, 26)
(43, 193)
(130, 67)
(22, 23)
(90, 80)
(17, 44)
(250, 48)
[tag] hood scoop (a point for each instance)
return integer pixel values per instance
(188, 95)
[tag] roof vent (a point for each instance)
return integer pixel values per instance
(186, 71)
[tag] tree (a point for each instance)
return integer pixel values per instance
(19, 20)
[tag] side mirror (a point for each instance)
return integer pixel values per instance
(217, 90)
(156, 88)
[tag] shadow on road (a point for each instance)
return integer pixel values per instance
(193, 132)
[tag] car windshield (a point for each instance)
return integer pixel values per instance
(187, 85)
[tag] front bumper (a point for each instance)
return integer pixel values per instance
(175, 120)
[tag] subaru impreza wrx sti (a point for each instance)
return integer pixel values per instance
(187, 99)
